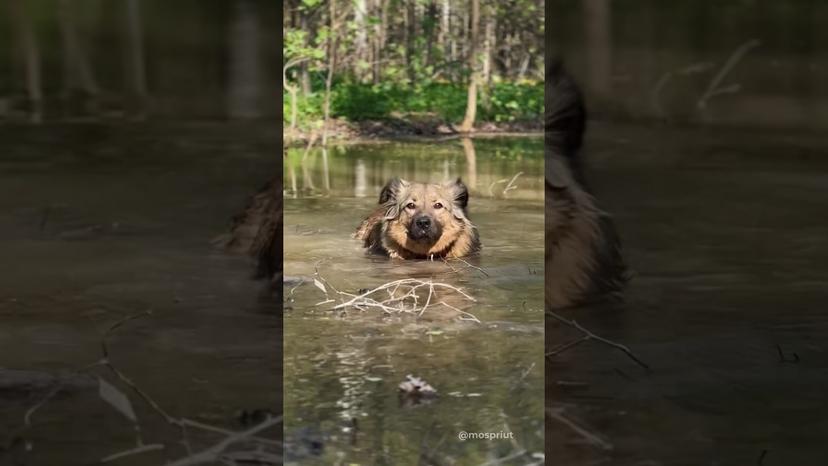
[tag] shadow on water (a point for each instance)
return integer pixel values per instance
(342, 369)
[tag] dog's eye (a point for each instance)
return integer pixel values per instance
(438, 206)
(410, 205)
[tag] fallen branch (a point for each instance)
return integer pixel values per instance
(213, 453)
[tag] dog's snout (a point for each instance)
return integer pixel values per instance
(423, 222)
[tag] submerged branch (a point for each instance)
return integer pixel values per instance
(588, 335)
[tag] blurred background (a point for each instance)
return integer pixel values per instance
(707, 144)
(67, 59)
(131, 133)
(729, 62)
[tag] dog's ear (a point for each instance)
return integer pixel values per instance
(460, 193)
(391, 190)
(389, 194)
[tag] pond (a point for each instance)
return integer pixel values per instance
(342, 369)
(101, 221)
(726, 233)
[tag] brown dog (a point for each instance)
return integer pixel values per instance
(583, 253)
(420, 221)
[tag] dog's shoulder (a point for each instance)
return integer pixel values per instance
(370, 231)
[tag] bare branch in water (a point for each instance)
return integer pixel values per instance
(714, 88)
(214, 453)
(133, 451)
(458, 259)
(588, 335)
(400, 296)
(594, 439)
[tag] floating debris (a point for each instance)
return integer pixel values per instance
(415, 385)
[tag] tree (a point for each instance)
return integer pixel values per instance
(471, 103)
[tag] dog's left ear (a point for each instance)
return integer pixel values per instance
(391, 189)
(460, 194)
(388, 197)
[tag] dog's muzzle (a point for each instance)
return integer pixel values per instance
(424, 229)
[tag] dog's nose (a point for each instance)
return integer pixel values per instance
(423, 222)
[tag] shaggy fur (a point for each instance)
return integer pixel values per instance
(257, 231)
(583, 253)
(420, 221)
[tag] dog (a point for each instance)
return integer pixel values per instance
(420, 221)
(257, 232)
(582, 251)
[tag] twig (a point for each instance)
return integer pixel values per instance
(404, 281)
(594, 439)
(565, 346)
(589, 335)
(470, 316)
(467, 264)
(133, 451)
(510, 186)
(713, 88)
(213, 453)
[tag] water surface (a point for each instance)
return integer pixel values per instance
(342, 369)
(726, 232)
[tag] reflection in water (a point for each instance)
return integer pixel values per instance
(342, 369)
(318, 167)
(471, 163)
(361, 179)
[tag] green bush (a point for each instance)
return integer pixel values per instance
(505, 101)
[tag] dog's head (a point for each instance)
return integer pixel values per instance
(420, 216)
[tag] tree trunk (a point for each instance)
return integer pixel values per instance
(244, 88)
(380, 35)
(304, 72)
(597, 15)
(410, 36)
(360, 39)
(77, 74)
(31, 58)
(430, 26)
(471, 103)
(488, 45)
(135, 56)
(331, 68)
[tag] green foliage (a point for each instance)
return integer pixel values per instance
(514, 102)
(507, 102)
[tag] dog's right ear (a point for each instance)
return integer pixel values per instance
(391, 189)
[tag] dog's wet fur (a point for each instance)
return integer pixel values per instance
(420, 221)
(257, 231)
(583, 252)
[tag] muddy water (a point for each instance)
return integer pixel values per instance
(726, 231)
(99, 222)
(342, 369)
